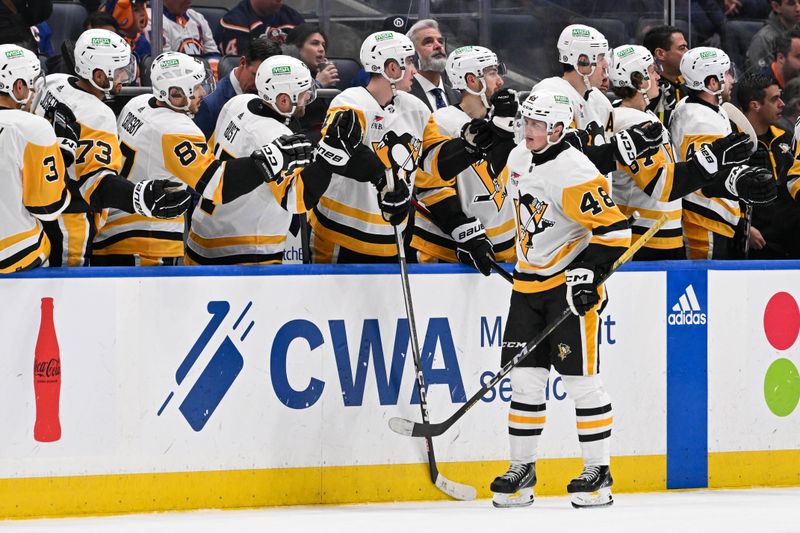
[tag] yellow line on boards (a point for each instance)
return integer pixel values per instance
(141, 493)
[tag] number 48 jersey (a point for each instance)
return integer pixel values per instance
(156, 143)
(564, 214)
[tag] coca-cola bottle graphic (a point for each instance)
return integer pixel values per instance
(47, 378)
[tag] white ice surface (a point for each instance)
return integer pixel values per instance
(729, 511)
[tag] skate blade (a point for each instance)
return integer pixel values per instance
(601, 498)
(523, 498)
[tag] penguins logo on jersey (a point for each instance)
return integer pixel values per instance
(534, 221)
(496, 192)
(399, 152)
(563, 350)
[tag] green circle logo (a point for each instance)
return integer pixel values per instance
(782, 387)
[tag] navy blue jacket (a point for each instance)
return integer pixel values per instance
(241, 24)
(206, 117)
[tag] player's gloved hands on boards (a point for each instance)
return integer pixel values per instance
(504, 110)
(753, 185)
(641, 140)
(160, 198)
(342, 136)
(282, 156)
(472, 246)
(582, 294)
(366, 167)
(734, 149)
(477, 137)
(67, 130)
(396, 203)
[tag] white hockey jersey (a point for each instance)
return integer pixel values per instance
(33, 189)
(563, 207)
(97, 155)
(405, 137)
(646, 185)
(694, 123)
(596, 108)
(148, 138)
(189, 34)
(480, 193)
(252, 228)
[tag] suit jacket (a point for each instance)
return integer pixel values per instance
(206, 117)
(453, 96)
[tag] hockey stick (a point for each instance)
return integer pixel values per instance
(451, 488)
(500, 270)
(427, 430)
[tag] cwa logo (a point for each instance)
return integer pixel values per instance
(687, 311)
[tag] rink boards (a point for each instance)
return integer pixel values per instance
(240, 387)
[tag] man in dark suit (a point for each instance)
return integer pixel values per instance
(429, 84)
(241, 80)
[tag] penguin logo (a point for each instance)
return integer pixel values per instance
(399, 153)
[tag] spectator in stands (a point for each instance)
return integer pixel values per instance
(786, 66)
(187, 31)
(17, 17)
(131, 15)
(775, 228)
(252, 18)
(785, 16)
(791, 112)
(241, 80)
(667, 44)
(428, 84)
(43, 34)
(103, 21)
(312, 45)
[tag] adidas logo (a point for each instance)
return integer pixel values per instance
(687, 311)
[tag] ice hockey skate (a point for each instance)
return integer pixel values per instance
(592, 488)
(515, 487)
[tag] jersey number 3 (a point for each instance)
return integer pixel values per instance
(590, 204)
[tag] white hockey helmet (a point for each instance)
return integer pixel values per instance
(577, 40)
(551, 108)
(472, 60)
(17, 63)
(176, 70)
(627, 60)
(383, 46)
(285, 75)
(699, 63)
(107, 51)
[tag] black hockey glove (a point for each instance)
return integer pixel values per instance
(504, 110)
(282, 156)
(477, 137)
(472, 246)
(641, 140)
(395, 204)
(66, 128)
(341, 138)
(160, 198)
(752, 185)
(578, 139)
(366, 167)
(733, 149)
(582, 292)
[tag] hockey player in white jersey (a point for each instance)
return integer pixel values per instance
(253, 228)
(654, 185)
(569, 234)
(711, 215)
(351, 222)
(33, 187)
(476, 198)
(583, 53)
(103, 62)
(159, 139)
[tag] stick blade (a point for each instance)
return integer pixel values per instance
(401, 426)
(455, 490)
